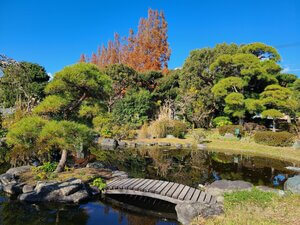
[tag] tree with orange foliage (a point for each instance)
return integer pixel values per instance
(144, 51)
(82, 58)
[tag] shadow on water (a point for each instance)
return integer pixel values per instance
(193, 167)
(109, 212)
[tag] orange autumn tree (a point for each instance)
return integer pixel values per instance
(146, 50)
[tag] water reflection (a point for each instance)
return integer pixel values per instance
(192, 167)
(13, 212)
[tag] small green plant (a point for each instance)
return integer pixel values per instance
(41, 176)
(45, 171)
(98, 182)
(221, 121)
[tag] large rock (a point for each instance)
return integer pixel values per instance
(96, 165)
(119, 174)
(18, 170)
(71, 191)
(108, 144)
(7, 178)
(293, 184)
(296, 145)
(13, 188)
(27, 188)
(268, 189)
(220, 187)
(186, 212)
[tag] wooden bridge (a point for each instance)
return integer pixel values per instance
(158, 189)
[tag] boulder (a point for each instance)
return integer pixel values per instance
(178, 146)
(170, 136)
(108, 144)
(18, 170)
(119, 174)
(268, 189)
(13, 188)
(27, 188)
(296, 145)
(122, 144)
(164, 144)
(96, 165)
(70, 191)
(229, 136)
(186, 212)
(187, 145)
(7, 178)
(293, 184)
(201, 146)
(220, 187)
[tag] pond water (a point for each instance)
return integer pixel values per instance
(188, 167)
(194, 167)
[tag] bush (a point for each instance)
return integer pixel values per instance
(221, 121)
(162, 127)
(98, 182)
(230, 129)
(274, 138)
(198, 136)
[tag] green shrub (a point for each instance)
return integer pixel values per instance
(47, 167)
(98, 182)
(221, 121)
(274, 138)
(230, 129)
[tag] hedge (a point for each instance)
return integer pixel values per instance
(282, 139)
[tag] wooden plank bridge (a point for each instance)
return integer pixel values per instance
(158, 189)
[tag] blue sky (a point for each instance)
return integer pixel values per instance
(54, 33)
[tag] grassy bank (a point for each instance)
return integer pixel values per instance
(256, 208)
(253, 149)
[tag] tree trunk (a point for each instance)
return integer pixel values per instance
(274, 126)
(62, 162)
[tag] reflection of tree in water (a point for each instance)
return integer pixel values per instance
(17, 213)
(140, 220)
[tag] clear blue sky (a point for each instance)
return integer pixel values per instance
(54, 33)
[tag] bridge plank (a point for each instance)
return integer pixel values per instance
(157, 185)
(196, 195)
(151, 185)
(202, 197)
(113, 186)
(190, 193)
(142, 188)
(178, 190)
(164, 184)
(112, 182)
(184, 192)
(167, 188)
(172, 190)
(127, 183)
(138, 185)
(213, 200)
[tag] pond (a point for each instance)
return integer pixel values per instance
(190, 167)
(194, 167)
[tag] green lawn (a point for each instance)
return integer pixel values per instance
(256, 208)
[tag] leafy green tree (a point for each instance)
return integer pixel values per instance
(75, 86)
(23, 138)
(134, 108)
(76, 92)
(227, 85)
(235, 105)
(65, 136)
(278, 101)
(261, 50)
(27, 80)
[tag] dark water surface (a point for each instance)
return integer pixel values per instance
(188, 167)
